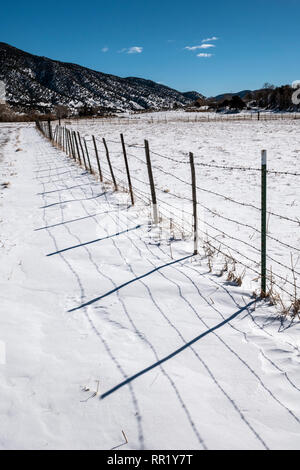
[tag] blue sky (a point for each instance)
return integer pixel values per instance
(258, 40)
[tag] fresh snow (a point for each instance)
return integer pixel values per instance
(229, 144)
(66, 239)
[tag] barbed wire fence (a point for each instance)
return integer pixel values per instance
(186, 222)
(188, 117)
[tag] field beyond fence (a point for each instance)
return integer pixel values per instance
(241, 240)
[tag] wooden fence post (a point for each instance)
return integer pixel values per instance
(49, 130)
(88, 156)
(77, 148)
(72, 145)
(194, 194)
(109, 164)
(67, 141)
(64, 138)
(82, 151)
(263, 222)
(54, 134)
(151, 181)
(127, 169)
(97, 158)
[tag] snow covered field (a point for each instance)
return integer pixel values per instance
(90, 298)
(232, 226)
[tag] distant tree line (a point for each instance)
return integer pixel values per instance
(8, 114)
(268, 97)
(274, 98)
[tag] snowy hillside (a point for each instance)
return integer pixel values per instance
(92, 294)
(39, 83)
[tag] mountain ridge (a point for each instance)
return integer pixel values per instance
(39, 83)
(224, 96)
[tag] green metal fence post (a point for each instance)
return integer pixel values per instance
(194, 194)
(263, 221)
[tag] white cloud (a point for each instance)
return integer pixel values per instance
(192, 48)
(214, 38)
(104, 49)
(131, 50)
(204, 54)
(202, 46)
(207, 46)
(135, 50)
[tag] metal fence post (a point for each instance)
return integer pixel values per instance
(194, 194)
(263, 222)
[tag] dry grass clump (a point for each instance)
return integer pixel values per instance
(286, 308)
(274, 296)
